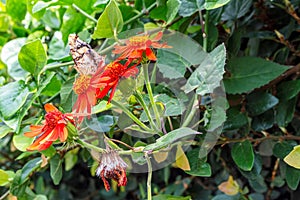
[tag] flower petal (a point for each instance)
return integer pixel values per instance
(50, 108)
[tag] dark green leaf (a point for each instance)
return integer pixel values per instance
(51, 86)
(110, 22)
(56, 169)
(171, 137)
(243, 156)
(101, 124)
(292, 176)
(258, 184)
(282, 149)
(236, 9)
(32, 57)
(256, 169)
(16, 9)
(247, 73)
(198, 166)
(9, 55)
(12, 98)
(171, 65)
(208, 75)
(16, 188)
(226, 197)
(189, 7)
(289, 89)
(29, 167)
(263, 121)
(285, 112)
(259, 102)
(66, 94)
(235, 119)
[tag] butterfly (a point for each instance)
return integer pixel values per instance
(87, 60)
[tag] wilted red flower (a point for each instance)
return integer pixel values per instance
(109, 80)
(54, 127)
(85, 86)
(136, 46)
(112, 166)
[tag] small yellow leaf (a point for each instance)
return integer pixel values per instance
(293, 158)
(229, 187)
(160, 156)
(181, 160)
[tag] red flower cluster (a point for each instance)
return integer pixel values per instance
(54, 127)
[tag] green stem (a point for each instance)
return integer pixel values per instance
(145, 11)
(149, 192)
(191, 114)
(47, 67)
(150, 93)
(90, 146)
(146, 109)
(205, 36)
(84, 13)
(132, 116)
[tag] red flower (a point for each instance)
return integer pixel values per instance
(54, 127)
(85, 87)
(109, 79)
(112, 167)
(139, 46)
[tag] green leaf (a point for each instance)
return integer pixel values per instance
(56, 169)
(4, 130)
(172, 105)
(243, 156)
(255, 171)
(29, 167)
(172, 9)
(4, 178)
(171, 65)
(189, 7)
(282, 149)
(170, 197)
(208, 75)
(16, 188)
(198, 166)
(57, 49)
(21, 142)
(16, 9)
(32, 57)
(247, 73)
(285, 112)
(293, 158)
(171, 137)
(52, 85)
(9, 55)
(236, 9)
(263, 121)
(259, 102)
(39, 6)
(66, 94)
(235, 119)
(12, 98)
(110, 22)
(51, 18)
(213, 4)
(288, 90)
(258, 184)
(73, 22)
(292, 176)
(71, 159)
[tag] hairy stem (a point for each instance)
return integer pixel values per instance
(149, 192)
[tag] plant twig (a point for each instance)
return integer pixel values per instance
(145, 11)
(149, 192)
(4, 195)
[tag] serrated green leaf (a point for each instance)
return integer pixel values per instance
(213, 4)
(171, 65)
(32, 57)
(4, 178)
(170, 138)
(247, 73)
(236, 9)
(172, 9)
(9, 55)
(293, 158)
(208, 75)
(198, 166)
(56, 169)
(110, 22)
(12, 98)
(243, 156)
(29, 167)
(260, 102)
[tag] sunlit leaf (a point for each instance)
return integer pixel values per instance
(181, 160)
(293, 158)
(229, 187)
